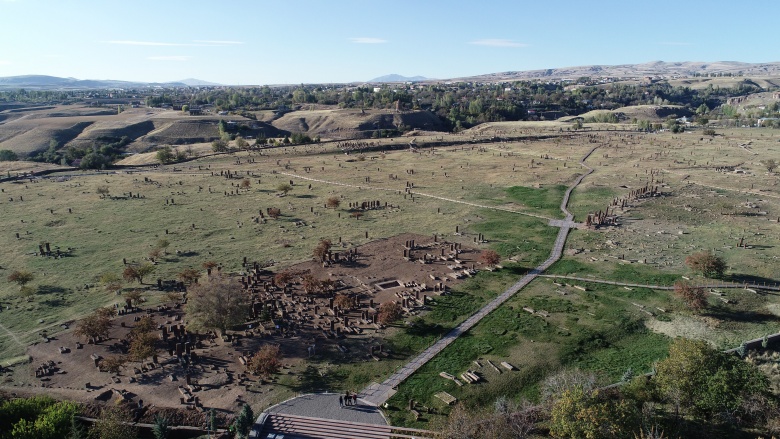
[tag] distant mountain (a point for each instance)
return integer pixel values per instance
(654, 68)
(44, 82)
(192, 82)
(399, 78)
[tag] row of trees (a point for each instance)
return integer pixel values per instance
(695, 386)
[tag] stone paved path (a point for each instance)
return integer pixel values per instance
(326, 406)
(379, 393)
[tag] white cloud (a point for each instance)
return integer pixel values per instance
(368, 40)
(497, 43)
(143, 43)
(220, 42)
(170, 58)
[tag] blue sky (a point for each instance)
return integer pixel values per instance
(310, 41)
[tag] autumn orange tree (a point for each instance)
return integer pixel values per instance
(694, 297)
(344, 301)
(707, 264)
(489, 257)
(322, 249)
(137, 272)
(389, 312)
(265, 361)
(188, 275)
(96, 325)
(332, 202)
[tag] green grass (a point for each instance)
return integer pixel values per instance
(629, 273)
(547, 200)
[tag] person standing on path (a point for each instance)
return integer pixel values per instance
(354, 399)
(346, 398)
(341, 401)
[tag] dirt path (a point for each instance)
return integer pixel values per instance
(379, 393)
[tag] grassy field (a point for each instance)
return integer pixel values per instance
(487, 188)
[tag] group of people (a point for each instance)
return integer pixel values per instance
(348, 399)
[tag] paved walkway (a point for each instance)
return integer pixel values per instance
(326, 406)
(379, 393)
(763, 286)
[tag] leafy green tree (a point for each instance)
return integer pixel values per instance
(39, 417)
(712, 384)
(220, 145)
(113, 423)
(94, 160)
(160, 427)
(6, 155)
(217, 303)
(284, 188)
(244, 422)
(578, 414)
(137, 272)
(165, 155)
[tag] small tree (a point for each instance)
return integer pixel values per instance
(219, 145)
(345, 302)
(489, 257)
(165, 155)
(707, 264)
(95, 325)
(322, 249)
(113, 423)
(241, 143)
(284, 188)
(694, 297)
(770, 164)
(111, 282)
(134, 296)
(265, 362)
(137, 272)
(160, 427)
(246, 184)
(333, 202)
(112, 364)
(389, 312)
(217, 303)
(244, 422)
(274, 212)
(103, 191)
(311, 285)
(188, 275)
(283, 278)
(143, 346)
(21, 277)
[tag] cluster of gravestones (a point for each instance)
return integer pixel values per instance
(45, 250)
(292, 313)
(349, 146)
(46, 369)
(171, 285)
(367, 205)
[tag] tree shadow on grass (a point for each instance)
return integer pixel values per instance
(751, 279)
(52, 289)
(312, 381)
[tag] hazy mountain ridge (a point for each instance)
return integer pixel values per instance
(394, 77)
(54, 82)
(653, 68)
